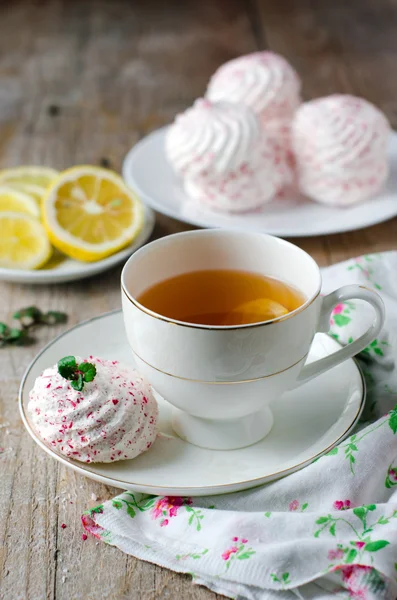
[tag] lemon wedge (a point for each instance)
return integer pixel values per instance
(33, 180)
(11, 200)
(90, 213)
(255, 311)
(23, 242)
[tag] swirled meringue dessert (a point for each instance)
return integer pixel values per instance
(268, 84)
(264, 81)
(223, 157)
(340, 145)
(96, 411)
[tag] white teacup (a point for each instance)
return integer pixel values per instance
(222, 380)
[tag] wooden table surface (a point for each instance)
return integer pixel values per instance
(80, 82)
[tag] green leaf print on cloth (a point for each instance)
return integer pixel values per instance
(296, 506)
(326, 531)
(391, 477)
(195, 517)
(377, 347)
(238, 551)
(363, 264)
(363, 545)
(132, 505)
(351, 446)
(193, 555)
(341, 315)
(283, 579)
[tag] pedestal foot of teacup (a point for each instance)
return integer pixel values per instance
(227, 434)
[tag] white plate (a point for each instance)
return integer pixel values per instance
(148, 172)
(308, 422)
(61, 269)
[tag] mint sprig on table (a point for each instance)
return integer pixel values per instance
(76, 374)
(28, 318)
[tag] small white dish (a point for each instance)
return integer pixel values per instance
(308, 422)
(148, 172)
(61, 268)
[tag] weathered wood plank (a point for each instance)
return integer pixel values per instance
(114, 71)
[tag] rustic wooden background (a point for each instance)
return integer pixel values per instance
(80, 82)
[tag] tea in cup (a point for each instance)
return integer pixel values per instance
(221, 297)
(221, 323)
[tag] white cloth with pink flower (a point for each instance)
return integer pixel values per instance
(328, 531)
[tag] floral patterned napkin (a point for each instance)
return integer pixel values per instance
(328, 531)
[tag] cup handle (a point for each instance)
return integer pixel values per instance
(329, 302)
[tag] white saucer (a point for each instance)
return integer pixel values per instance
(147, 171)
(61, 268)
(308, 422)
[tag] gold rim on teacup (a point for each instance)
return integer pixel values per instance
(218, 382)
(155, 315)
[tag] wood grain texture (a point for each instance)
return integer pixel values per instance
(114, 71)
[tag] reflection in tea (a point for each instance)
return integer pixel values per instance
(222, 297)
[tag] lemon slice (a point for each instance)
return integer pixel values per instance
(31, 180)
(23, 242)
(89, 213)
(12, 200)
(255, 311)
